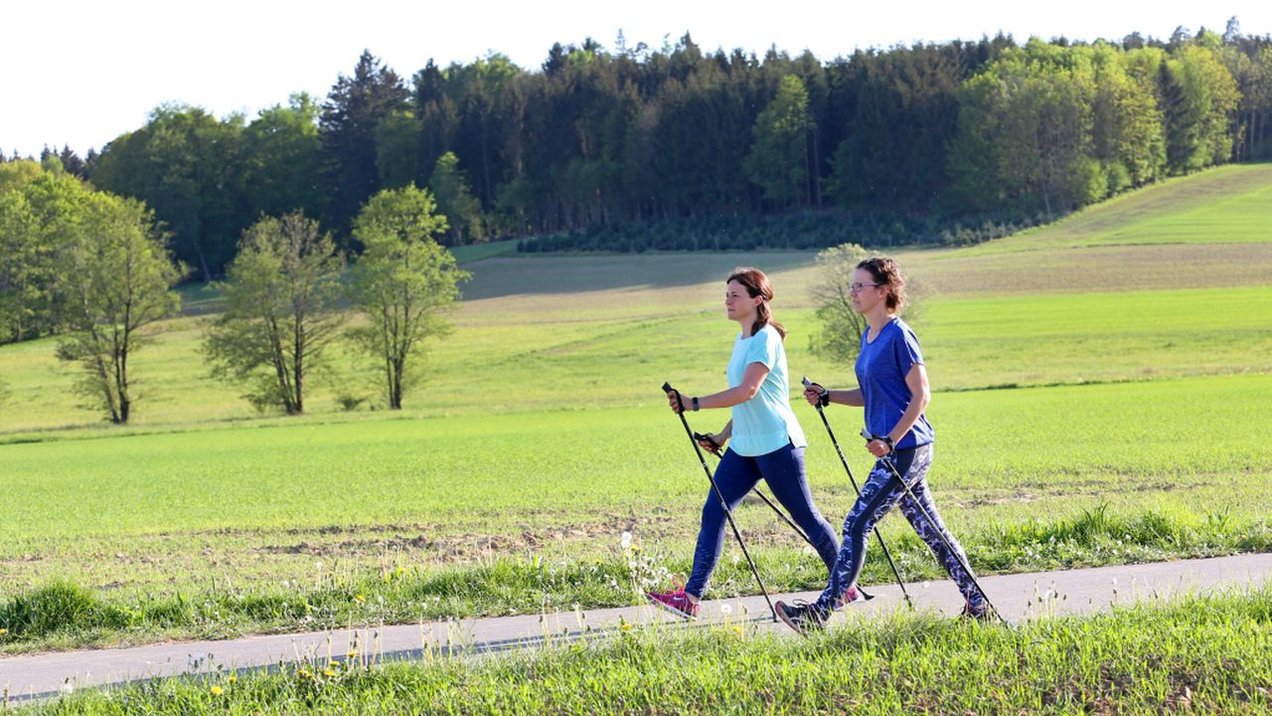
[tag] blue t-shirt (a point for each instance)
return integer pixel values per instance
(881, 369)
(765, 422)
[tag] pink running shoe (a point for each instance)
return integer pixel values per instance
(851, 595)
(677, 602)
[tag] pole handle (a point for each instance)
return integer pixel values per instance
(823, 398)
(680, 399)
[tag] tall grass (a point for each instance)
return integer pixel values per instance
(1212, 654)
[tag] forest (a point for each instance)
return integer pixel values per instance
(631, 148)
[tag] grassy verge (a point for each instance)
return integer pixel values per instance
(61, 614)
(1212, 654)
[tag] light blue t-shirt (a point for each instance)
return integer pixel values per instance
(881, 369)
(765, 422)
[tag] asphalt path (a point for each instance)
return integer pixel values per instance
(1018, 597)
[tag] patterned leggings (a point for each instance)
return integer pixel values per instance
(878, 495)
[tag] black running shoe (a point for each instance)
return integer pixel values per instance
(980, 615)
(802, 616)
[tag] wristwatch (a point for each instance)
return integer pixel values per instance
(695, 404)
(888, 441)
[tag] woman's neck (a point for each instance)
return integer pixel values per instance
(878, 318)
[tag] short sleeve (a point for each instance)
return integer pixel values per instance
(764, 347)
(908, 351)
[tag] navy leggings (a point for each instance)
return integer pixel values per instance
(783, 470)
(878, 495)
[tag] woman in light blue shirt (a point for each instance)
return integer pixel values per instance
(765, 440)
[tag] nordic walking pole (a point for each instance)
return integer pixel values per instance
(844, 461)
(962, 562)
(715, 450)
(719, 496)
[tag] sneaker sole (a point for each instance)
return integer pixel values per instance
(670, 609)
(781, 614)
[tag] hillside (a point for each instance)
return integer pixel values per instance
(542, 322)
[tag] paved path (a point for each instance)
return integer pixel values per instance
(1017, 596)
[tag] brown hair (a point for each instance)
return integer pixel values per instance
(886, 273)
(757, 284)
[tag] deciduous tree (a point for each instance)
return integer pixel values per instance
(404, 281)
(455, 201)
(839, 330)
(117, 275)
(280, 315)
(778, 161)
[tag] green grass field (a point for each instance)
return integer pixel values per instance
(1099, 400)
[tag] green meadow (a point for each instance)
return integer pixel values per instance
(1101, 389)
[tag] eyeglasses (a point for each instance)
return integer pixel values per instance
(856, 287)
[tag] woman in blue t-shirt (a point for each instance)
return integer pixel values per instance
(766, 439)
(893, 389)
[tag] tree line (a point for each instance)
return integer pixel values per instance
(95, 270)
(596, 139)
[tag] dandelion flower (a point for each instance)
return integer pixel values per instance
(627, 626)
(359, 598)
(3, 631)
(232, 678)
(726, 609)
(353, 654)
(328, 672)
(626, 539)
(737, 629)
(217, 691)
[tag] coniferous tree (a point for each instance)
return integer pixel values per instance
(354, 110)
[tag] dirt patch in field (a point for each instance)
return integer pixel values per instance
(462, 547)
(1017, 497)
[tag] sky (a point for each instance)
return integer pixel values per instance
(81, 72)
